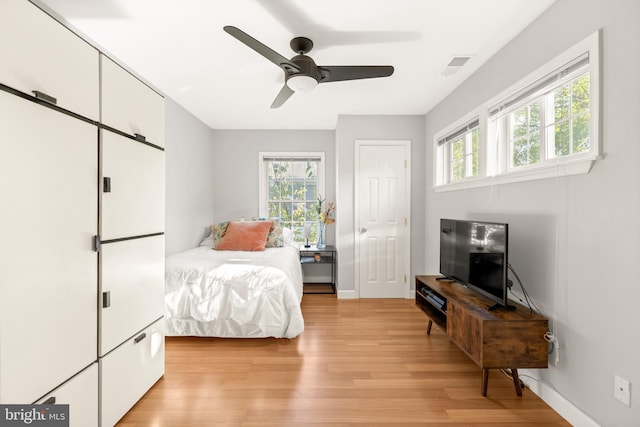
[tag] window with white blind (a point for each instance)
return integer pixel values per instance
(546, 125)
(290, 184)
(458, 153)
(546, 122)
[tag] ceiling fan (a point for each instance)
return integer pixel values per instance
(301, 74)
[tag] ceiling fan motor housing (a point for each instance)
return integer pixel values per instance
(307, 68)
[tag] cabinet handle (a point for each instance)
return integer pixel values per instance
(140, 137)
(106, 299)
(106, 184)
(44, 97)
(49, 401)
(140, 337)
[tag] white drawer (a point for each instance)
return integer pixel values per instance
(134, 206)
(81, 394)
(38, 53)
(130, 105)
(129, 371)
(133, 276)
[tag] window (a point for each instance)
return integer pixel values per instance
(548, 120)
(290, 184)
(459, 153)
(546, 125)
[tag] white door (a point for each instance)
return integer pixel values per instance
(49, 188)
(134, 203)
(382, 218)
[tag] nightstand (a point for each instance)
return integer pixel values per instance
(326, 256)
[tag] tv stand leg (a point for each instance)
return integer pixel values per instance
(514, 375)
(429, 327)
(516, 381)
(485, 381)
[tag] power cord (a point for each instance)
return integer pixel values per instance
(555, 344)
(533, 308)
(528, 299)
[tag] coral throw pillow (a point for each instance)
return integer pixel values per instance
(245, 236)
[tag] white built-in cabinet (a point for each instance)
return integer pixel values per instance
(129, 106)
(81, 225)
(49, 190)
(134, 204)
(39, 54)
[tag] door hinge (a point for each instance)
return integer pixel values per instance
(96, 243)
(405, 278)
(405, 221)
(405, 164)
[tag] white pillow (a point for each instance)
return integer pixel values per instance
(287, 235)
(208, 241)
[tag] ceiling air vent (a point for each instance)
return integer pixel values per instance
(454, 65)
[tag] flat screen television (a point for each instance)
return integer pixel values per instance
(475, 254)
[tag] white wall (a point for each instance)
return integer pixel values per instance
(189, 197)
(349, 129)
(235, 166)
(574, 240)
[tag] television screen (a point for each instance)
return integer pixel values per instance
(474, 253)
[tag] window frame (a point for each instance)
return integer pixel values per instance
(495, 154)
(263, 190)
(539, 98)
(443, 146)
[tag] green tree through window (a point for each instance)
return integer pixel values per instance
(292, 193)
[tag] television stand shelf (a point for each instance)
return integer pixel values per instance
(497, 339)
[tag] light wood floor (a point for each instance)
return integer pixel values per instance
(358, 363)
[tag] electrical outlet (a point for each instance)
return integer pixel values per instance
(622, 390)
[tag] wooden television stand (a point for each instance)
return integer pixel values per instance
(498, 339)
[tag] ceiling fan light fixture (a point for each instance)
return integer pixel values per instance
(301, 83)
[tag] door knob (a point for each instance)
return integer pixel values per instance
(363, 230)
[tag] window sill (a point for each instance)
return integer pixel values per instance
(553, 170)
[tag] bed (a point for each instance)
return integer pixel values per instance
(234, 294)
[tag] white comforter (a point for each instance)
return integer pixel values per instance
(233, 293)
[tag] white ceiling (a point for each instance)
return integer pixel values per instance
(179, 47)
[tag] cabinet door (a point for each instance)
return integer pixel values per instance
(81, 394)
(465, 330)
(129, 105)
(133, 276)
(129, 371)
(134, 206)
(38, 53)
(48, 291)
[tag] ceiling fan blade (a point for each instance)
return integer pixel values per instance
(335, 73)
(262, 49)
(284, 94)
(294, 19)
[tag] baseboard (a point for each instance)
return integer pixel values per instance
(559, 403)
(347, 294)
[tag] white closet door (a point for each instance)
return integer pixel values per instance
(129, 371)
(48, 291)
(133, 277)
(135, 204)
(40, 54)
(129, 105)
(81, 394)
